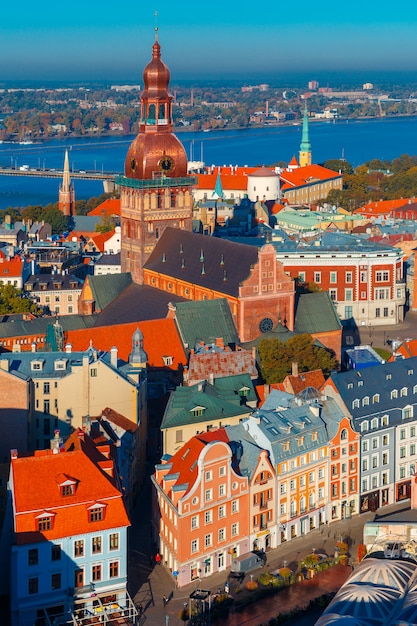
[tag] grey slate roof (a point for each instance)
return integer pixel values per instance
(201, 260)
(39, 325)
(287, 426)
(137, 303)
(86, 223)
(372, 389)
(205, 320)
(316, 313)
(250, 449)
(109, 259)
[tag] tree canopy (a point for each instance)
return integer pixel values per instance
(276, 357)
(14, 300)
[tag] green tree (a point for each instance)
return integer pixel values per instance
(14, 300)
(106, 224)
(276, 358)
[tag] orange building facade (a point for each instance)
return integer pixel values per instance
(200, 509)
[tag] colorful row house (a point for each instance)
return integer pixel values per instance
(200, 504)
(64, 546)
(275, 476)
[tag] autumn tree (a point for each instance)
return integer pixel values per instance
(14, 300)
(276, 358)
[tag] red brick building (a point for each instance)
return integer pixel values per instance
(258, 290)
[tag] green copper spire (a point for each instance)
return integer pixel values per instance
(218, 189)
(305, 140)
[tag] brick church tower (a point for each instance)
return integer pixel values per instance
(66, 200)
(155, 191)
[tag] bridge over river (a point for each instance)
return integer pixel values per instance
(106, 177)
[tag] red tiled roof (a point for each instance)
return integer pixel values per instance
(293, 162)
(295, 384)
(118, 419)
(407, 349)
(231, 178)
(108, 207)
(381, 207)
(160, 338)
(80, 461)
(99, 239)
(13, 267)
(184, 461)
(302, 175)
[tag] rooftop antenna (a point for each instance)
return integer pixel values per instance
(156, 25)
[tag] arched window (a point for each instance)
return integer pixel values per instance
(151, 114)
(344, 434)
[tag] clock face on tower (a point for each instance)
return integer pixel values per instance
(166, 164)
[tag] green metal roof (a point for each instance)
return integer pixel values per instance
(136, 183)
(205, 321)
(204, 402)
(316, 313)
(106, 288)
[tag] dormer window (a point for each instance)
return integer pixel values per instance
(350, 386)
(403, 392)
(244, 392)
(168, 360)
(96, 512)
(286, 446)
(60, 364)
(355, 404)
(375, 398)
(300, 441)
(198, 411)
(45, 521)
(394, 394)
(36, 365)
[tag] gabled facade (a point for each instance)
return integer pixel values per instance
(68, 542)
(196, 267)
(200, 508)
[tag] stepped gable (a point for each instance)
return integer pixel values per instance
(211, 262)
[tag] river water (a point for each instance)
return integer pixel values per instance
(355, 140)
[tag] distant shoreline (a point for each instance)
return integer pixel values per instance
(190, 129)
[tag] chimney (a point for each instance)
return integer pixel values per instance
(114, 357)
(13, 454)
(4, 365)
(211, 378)
(294, 366)
(267, 390)
(56, 442)
(68, 348)
(33, 347)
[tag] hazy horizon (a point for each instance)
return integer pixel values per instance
(88, 41)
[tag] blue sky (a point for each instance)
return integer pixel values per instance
(98, 40)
